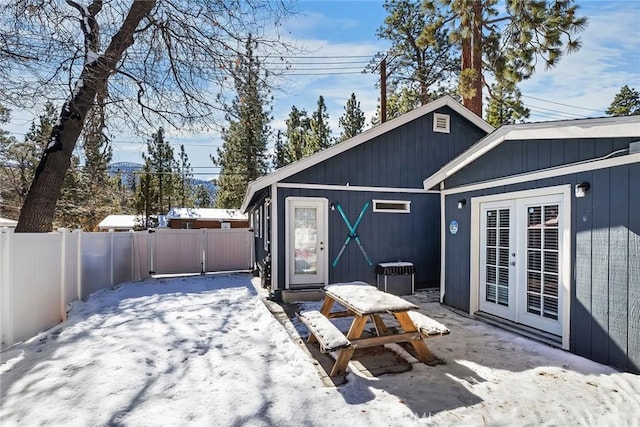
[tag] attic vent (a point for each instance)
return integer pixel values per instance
(441, 123)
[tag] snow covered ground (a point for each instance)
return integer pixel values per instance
(206, 351)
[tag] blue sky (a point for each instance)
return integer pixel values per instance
(582, 85)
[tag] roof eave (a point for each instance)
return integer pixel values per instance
(581, 128)
(361, 138)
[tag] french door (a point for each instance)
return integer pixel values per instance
(520, 260)
(306, 237)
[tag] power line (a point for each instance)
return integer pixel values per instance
(564, 105)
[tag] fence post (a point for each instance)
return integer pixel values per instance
(111, 261)
(63, 273)
(203, 242)
(79, 265)
(132, 254)
(151, 246)
(6, 285)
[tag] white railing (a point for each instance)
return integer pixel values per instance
(40, 274)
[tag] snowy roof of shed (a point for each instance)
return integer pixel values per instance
(6, 222)
(603, 127)
(300, 165)
(118, 221)
(203, 214)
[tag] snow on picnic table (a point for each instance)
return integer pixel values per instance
(206, 351)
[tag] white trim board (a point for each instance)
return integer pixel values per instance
(547, 173)
(300, 165)
(610, 127)
(348, 187)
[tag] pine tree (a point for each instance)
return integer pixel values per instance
(156, 191)
(505, 106)
(242, 157)
(399, 103)
(202, 197)
(9, 198)
(352, 121)
(185, 180)
(504, 41)
(161, 164)
(20, 159)
(280, 151)
(298, 129)
(319, 136)
(417, 64)
(625, 103)
(146, 198)
(100, 196)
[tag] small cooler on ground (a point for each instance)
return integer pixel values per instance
(396, 277)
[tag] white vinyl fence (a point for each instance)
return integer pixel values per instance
(40, 274)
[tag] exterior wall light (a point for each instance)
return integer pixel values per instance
(461, 203)
(581, 189)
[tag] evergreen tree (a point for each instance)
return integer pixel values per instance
(352, 121)
(19, 162)
(319, 136)
(156, 191)
(100, 192)
(504, 40)
(20, 159)
(161, 164)
(398, 103)
(185, 180)
(146, 198)
(9, 198)
(625, 103)
(72, 207)
(417, 64)
(298, 129)
(202, 197)
(505, 106)
(242, 157)
(280, 151)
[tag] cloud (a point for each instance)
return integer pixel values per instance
(589, 79)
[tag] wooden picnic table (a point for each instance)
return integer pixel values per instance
(363, 302)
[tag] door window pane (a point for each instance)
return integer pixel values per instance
(305, 232)
(542, 260)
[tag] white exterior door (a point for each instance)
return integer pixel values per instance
(540, 251)
(521, 257)
(306, 237)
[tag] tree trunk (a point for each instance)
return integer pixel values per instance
(475, 103)
(37, 212)
(472, 57)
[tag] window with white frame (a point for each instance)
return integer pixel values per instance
(188, 225)
(392, 206)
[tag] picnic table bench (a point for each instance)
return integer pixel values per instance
(363, 302)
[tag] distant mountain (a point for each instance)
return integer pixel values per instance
(128, 172)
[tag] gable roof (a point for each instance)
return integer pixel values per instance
(361, 138)
(604, 127)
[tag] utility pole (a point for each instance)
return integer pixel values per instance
(383, 90)
(371, 68)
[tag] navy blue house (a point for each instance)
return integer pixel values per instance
(541, 233)
(333, 216)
